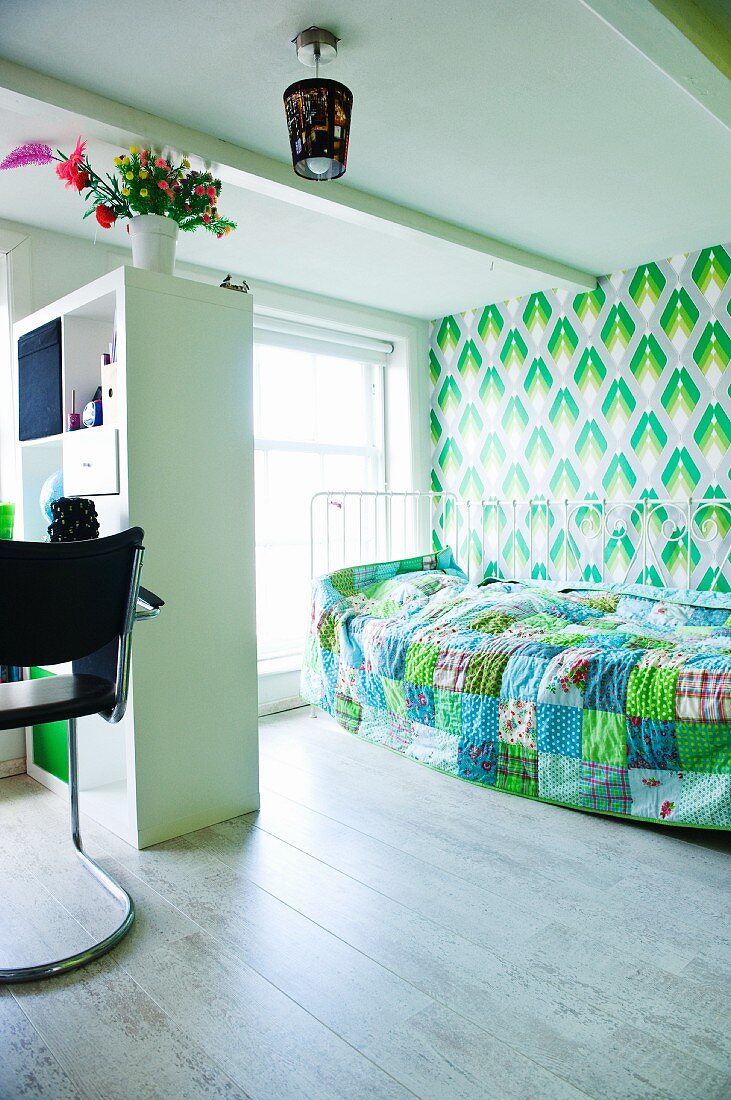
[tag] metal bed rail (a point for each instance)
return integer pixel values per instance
(673, 542)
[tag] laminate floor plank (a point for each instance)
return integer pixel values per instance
(376, 929)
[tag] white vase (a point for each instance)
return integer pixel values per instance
(154, 240)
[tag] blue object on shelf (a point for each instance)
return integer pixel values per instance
(92, 415)
(51, 490)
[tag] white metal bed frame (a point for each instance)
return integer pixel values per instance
(670, 542)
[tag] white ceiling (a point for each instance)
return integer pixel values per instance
(532, 122)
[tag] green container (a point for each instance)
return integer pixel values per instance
(7, 518)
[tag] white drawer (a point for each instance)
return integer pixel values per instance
(90, 462)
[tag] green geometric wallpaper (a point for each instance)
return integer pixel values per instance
(621, 392)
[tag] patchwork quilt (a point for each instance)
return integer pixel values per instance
(612, 698)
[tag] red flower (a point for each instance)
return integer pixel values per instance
(200, 190)
(105, 216)
(80, 180)
(68, 170)
(206, 218)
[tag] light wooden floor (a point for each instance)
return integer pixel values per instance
(377, 930)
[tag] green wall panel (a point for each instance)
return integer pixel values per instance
(50, 741)
(623, 391)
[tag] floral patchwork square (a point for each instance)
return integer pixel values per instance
(655, 793)
(517, 722)
(607, 679)
(420, 704)
(559, 730)
(652, 743)
(477, 757)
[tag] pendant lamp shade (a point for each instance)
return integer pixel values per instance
(318, 119)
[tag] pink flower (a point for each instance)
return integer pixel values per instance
(666, 809)
(200, 189)
(161, 163)
(143, 157)
(163, 185)
(33, 152)
(68, 169)
(211, 192)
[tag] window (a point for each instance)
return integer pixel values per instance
(318, 425)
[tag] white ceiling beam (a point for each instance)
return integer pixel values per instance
(658, 38)
(23, 90)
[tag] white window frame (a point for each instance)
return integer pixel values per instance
(374, 451)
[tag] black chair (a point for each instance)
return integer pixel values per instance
(62, 602)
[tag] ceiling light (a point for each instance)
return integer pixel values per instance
(318, 111)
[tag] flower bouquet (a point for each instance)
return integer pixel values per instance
(147, 185)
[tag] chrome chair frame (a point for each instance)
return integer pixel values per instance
(136, 609)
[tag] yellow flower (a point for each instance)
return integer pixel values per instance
(124, 160)
(133, 149)
(126, 191)
(143, 192)
(144, 173)
(117, 160)
(186, 162)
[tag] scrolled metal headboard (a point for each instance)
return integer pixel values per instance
(671, 542)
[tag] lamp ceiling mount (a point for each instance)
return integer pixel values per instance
(316, 46)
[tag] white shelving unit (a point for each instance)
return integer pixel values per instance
(186, 753)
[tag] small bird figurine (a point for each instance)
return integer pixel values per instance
(242, 287)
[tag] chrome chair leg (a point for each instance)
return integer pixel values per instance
(72, 962)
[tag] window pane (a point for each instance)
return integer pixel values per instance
(323, 403)
(284, 404)
(343, 409)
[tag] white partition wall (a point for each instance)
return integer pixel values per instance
(177, 445)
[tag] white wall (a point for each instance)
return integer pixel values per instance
(46, 265)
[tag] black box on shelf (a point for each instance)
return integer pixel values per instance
(40, 404)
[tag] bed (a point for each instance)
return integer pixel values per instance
(606, 696)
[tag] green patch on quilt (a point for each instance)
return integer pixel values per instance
(565, 638)
(601, 602)
(395, 694)
(327, 632)
(485, 673)
(420, 664)
(651, 692)
(604, 737)
(543, 621)
(343, 582)
(494, 622)
(517, 769)
(381, 609)
(448, 711)
(347, 713)
(641, 642)
(704, 746)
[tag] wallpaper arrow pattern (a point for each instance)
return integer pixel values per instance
(621, 392)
